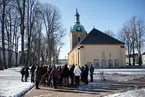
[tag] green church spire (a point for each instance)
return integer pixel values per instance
(77, 26)
(77, 17)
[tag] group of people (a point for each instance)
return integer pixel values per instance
(25, 73)
(54, 76)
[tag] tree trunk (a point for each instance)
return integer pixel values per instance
(28, 52)
(3, 33)
(22, 49)
(129, 56)
(39, 47)
(140, 59)
(28, 33)
(133, 56)
(16, 56)
(16, 51)
(22, 27)
(1, 65)
(10, 44)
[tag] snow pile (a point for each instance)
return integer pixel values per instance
(11, 85)
(17, 90)
(132, 93)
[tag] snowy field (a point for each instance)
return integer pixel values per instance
(11, 85)
(120, 75)
(121, 71)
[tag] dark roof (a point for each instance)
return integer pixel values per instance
(143, 53)
(97, 37)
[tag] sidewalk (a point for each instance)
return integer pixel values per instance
(97, 89)
(50, 92)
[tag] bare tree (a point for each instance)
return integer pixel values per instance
(30, 16)
(31, 19)
(138, 29)
(125, 36)
(21, 6)
(110, 33)
(3, 6)
(133, 35)
(16, 37)
(9, 25)
(53, 26)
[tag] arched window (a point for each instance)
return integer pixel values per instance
(79, 38)
(96, 63)
(116, 62)
(110, 63)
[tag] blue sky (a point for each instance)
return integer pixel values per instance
(102, 14)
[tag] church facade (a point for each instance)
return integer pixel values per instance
(95, 48)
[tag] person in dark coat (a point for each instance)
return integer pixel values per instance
(65, 74)
(60, 75)
(91, 73)
(82, 74)
(32, 70)
(26, 73)
(22, 73)
(38, 77)
(72, 74)
(55, 74)
(49, 78)
(86, 70)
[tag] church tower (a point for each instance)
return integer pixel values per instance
(77, 31)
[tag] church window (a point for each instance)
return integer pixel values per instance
(110, 63)
(96, 63)
(116, 61)
(79, 39)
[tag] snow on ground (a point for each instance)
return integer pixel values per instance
(120, 75)
(121, 71)
(11, 85)
(132, 93)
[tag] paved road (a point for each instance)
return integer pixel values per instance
(96, 89)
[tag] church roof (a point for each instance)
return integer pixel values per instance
(143, 53)
(97, 37)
